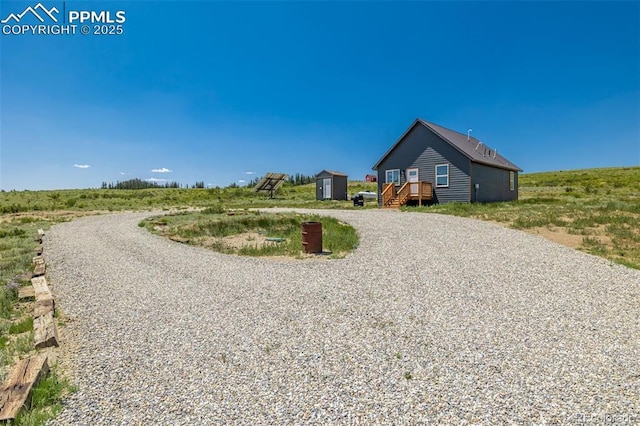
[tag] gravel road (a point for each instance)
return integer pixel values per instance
(433, 319)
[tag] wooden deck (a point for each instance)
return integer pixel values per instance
(410, 191)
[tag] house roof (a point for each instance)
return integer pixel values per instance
(472, 148)
(331, 172)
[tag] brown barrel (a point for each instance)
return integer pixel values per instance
(312, 237)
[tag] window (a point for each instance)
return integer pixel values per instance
(512, 181)
(393, 176)
(442, 175)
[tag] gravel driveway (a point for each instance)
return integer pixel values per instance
(433, 319)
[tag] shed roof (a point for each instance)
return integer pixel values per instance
(330, 172)
(472, 148)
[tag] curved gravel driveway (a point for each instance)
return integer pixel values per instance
(433, 319)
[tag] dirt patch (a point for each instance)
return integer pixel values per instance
(255, 239)
(238, 241)
(558, 235)
(251, 239)
(561, 236)
(57, 215)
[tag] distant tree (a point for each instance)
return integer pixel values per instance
(138, 184)
(300, 179)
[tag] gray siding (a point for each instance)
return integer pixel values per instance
(424, 149)
(494, 184)
(338, 186)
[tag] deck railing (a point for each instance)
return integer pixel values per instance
(426, 191)
(404, 193)
(388, 192)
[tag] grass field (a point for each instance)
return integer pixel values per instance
(106, 200)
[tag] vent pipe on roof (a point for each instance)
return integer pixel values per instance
(478, 146)
(495, 153)
(469, 134)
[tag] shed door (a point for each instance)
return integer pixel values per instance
(326, 188)
(412, 178)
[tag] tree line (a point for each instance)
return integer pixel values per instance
(293, 180)
(144, 184)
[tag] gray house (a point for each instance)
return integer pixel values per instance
(432, 164)
(331, 185)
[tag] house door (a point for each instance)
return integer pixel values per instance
(412, 178)
(326, 188)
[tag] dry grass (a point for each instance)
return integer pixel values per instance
(597, 210)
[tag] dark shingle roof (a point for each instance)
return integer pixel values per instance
(331, 172)
(472, 148)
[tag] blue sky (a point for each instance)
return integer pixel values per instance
(208, 91)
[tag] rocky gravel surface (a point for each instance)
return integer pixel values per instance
(433, 319)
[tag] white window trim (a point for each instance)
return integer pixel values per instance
(512, 180)
(386, 176)
(445, 175)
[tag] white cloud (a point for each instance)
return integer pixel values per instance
(81, 166)
(242, 181)
(122, 173)
(162, 170)
(155, 180)
(249, 173)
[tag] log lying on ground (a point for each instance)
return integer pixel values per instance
(26, 292)
(39, 270)
(41, 288)
(178, 239)
(16, 389)
(45, 333)
(44, 298)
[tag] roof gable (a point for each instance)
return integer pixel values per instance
(471, 147)
(330, 172)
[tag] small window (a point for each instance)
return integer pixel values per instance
(512, 181)
(393, 176)
(442, 175)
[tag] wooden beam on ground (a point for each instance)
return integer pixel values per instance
(38, 260)
(42, 308)
(26, 292)
(38, 251)
(41, 232)
(179, 239)
(39, 270)
(22, 379)
(45, 332)
(38, 239)
(41, 288)
(44, 298)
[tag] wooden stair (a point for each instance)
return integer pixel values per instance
(393, 203)
(392, 199)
